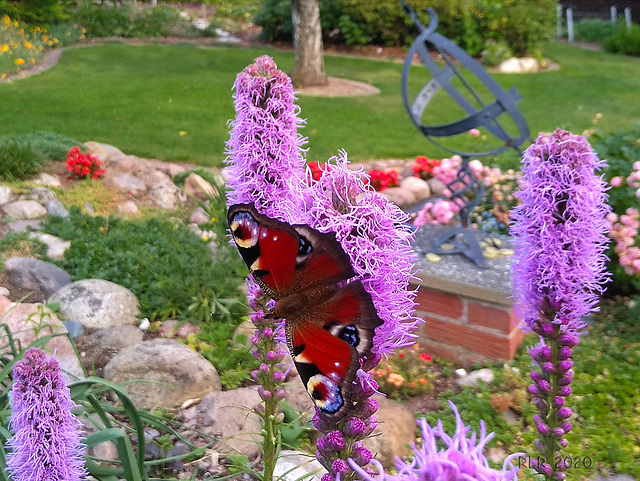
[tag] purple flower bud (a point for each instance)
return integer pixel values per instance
(537, 419)
(543, 429)
(545, 469)
(255, 339)
(539, 446)
(257, 355)
(569, 340)
(563, 443)
(321, 446)
(566, 426)
(254, 376)
(366, 409)
(360, 454)
(548, 331)
(354, 428)
(372, 424)
(557, 402)
(548, 367)
(259, 409)
(263, 393)
(341, 467)
(273, 357)
(535, 376)
(534, 390)
(557, 433)
(560, 476)
(370, 362)
(545, 387)
(279, 394)
(327, 477)
(566, 379)
(321, 424)
(541, 405)
(564, 391)
(364, 391)
(564, 366)
(278, 377)
(542, 354)
(564, 413)
(267, 333)
(263, 369)
(564, 353)
(335, 441)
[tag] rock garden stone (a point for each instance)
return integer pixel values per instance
(128, 163)
(129, 184)
(102, 151)
(401, 197)
(172, 373)
(19, 226)
(101, 346)
(418, 187)
(196, 186)
(474, 377)
(96, 304)
(41, 195)
(24, 210)
(56, 247)
(55, 208)
(128, 208)
(167, 196)
(35, 275)
(6, 195)
(47, 180)
(396, 429)
(28, 322)
(228, 415)
(437, 187)
(177, 330)
(294, 465)
(199, 216)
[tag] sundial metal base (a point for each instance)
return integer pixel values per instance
(466, 191)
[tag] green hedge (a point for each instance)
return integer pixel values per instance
(519, 27)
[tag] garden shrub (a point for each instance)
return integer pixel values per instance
(37, 12)
(624, 41)
(593, 30)
(18, 160)
(474, 25)
(621, 150)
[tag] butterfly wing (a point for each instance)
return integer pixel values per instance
(326, 345)
(286, 259)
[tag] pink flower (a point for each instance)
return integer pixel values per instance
(616, 181)
(474, 132)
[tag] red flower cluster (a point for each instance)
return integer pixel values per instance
(423, 167)
(80, 165)
(382, 180)
(316, 170)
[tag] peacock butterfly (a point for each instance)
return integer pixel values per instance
(329, 317)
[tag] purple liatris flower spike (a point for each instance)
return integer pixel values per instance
(46, 442)
(461, 457)
(559, 270)
(266, 164)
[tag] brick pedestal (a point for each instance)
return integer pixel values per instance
(467, 310)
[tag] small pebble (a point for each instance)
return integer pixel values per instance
(433, 258)
(144, 324)
(447, 247)
(506, 252)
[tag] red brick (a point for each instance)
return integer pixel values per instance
(477, 340)
(497, 318)
(438, 303)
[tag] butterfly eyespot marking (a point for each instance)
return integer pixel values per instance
(325, 393)
(304, 247)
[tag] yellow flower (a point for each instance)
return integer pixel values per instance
(45, 38)
(32, 61)
(5, 48)
(182, 133)
(50, 43)
(3, 76)
(28, 45)
(19, 61)
(6, 20)
(55, 40)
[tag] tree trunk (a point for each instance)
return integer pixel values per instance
(307, 43)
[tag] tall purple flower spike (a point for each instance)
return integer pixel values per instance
(461, 458)
(46, 442)
(559, 271)
(266, 165)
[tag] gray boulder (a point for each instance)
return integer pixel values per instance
(55, 208)
(170, 372)
(96, 304)
(229, 415)
(6, 195)
(129, 184)
(41, 195)
(25, 210)
(35, 275)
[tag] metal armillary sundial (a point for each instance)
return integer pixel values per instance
(482, 104)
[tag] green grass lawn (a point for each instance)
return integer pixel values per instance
(174, 102)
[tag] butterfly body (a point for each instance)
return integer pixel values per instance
(330, 319)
